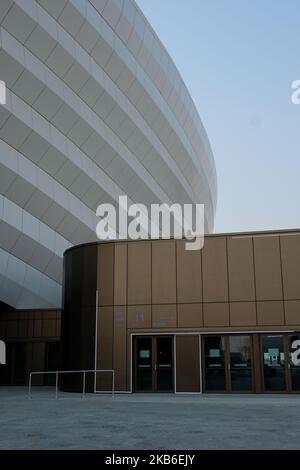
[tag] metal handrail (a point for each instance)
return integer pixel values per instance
(84, 372)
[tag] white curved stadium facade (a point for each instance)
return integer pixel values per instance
(95, 108)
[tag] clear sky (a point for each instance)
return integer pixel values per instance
(238, 59)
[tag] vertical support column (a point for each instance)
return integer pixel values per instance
(96, 340)
(83, 385)
(174, 364)
(56, 385)
(200, 364)
(257, 364)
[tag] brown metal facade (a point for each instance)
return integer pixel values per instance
(33, 343)
(238, 284)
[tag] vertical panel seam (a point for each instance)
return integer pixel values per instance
(228, 289)
(254, 276)
(282, 285)
(176, 282)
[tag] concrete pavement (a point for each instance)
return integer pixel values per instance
(147, 421)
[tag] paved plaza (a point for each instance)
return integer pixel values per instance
(147, 421)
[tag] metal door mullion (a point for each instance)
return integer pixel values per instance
(227, 363)
(288, 377)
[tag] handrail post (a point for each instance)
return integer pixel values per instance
(83, 385)
(29, 388)
(84, 372)
(56, 385)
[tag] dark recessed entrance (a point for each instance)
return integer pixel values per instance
(267, 363)
(281, 362)
(228, 363)
(153, 369)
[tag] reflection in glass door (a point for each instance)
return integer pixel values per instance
(274, 371)
(143, 364)
(294, 361)
(228, 363)
(240, 363)
(153, 364)
(214, 360)
(164, 364)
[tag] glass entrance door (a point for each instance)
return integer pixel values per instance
(153, 364)
(244, 363)
(281, 362)
(164, 364)
(240, 351)
(274, 364)
(228, 363)
(143, 364)
(214, 364)
(294, 362)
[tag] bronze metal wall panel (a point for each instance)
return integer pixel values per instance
(105, 345)
(105, 273)
(267, 268)
(187, 364)
(139, 273)
(241, 269)
(129, 361)
(257, 369)
(270, 313)
(190, 315)
(79, 315)
(243, 314)
(163, 272)
(292, 312)
(189, 274)
(119, 350)
(11, 329)
(214, 270)
(2, 327)
(38, 361)
(29, 359)
(164, 316)
(23, 328)
(48, 328)
(120, 285)
(37, 328)
(29, 324)
(30, 327)
(46, 314)
(290, 255)
(80, 275)
(216, 314)
(139, 316)
(58, 324)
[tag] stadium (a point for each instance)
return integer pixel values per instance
(95, 108)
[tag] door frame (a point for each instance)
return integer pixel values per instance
(203, 365)
(253, 382)
(256, 352)
(154, 345)
(287, 368)
(153, 363)
(167, 333)
(227, 365)
(134, 365)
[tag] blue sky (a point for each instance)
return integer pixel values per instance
(238, 59)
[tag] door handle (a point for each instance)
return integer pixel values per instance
(155, 366)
